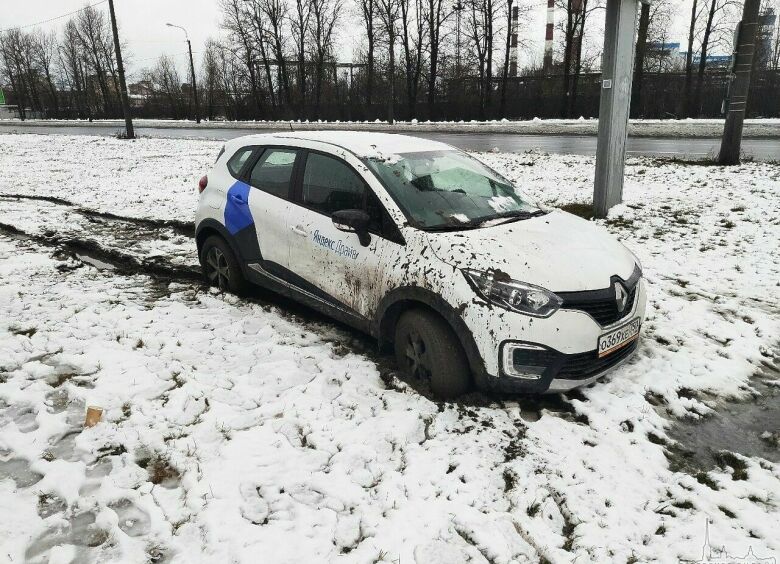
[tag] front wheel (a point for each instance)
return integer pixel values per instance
(427, 348)
(220, 266)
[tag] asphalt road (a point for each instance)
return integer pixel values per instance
(684, 148)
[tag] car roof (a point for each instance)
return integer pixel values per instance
(361, 143)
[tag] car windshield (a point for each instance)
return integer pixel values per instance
(449, 190)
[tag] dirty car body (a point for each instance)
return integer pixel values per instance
(364, 226)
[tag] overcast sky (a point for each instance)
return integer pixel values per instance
(142, 26)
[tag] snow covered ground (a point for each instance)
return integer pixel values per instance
(255, 431)
(754, 128)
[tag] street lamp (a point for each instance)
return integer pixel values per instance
(192, 71)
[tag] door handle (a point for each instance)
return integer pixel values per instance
(238, 199)
(299, 231)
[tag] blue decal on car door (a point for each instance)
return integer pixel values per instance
(237, 213)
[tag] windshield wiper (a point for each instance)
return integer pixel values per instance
(516, 216)
(481, 221)
(455, 226)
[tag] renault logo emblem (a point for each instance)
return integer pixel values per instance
(621, 296)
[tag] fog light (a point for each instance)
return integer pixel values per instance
(533, 360)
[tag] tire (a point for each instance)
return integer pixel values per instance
(221, 268)
(427, 348)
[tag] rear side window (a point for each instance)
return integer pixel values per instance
(329, 185)
(273, 172)
(237, 161)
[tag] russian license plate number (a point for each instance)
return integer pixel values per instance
(620, 337)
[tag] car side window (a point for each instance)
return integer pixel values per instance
(329, 185)
(273, 172)
(238, 160)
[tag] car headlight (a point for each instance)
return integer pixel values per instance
(513, 294)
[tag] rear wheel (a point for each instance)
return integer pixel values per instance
(220, 266)
(427, 348)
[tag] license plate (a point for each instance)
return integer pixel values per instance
(620, 337)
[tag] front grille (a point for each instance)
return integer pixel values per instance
(601, 304)
(584, 365)
(603, 309)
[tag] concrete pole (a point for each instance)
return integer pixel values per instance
(129, 132)
(616, 75)
(731, 142)
(194, 86)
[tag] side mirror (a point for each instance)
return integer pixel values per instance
(353, 221)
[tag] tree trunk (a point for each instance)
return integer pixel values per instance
(639, 61)
(507, 47)
(391, 97)
(703, 58)
(688, 100)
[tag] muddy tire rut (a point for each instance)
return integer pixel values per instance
(159, 248)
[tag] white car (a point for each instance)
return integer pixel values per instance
(428, 250)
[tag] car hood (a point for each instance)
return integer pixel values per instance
(557, 251)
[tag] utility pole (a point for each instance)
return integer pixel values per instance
(736, 105)
(192, 71)
(129, 132)
(614, 103)
(194, 86)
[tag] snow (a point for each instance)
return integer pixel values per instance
(246, 430)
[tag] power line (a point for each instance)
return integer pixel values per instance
(163, 54)
(54, 18)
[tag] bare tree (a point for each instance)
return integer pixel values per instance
(263, 42)
(414, 31)
(479, 24)
(277, 12)
(166, 83)
(437, 13)
(237, 21)
(94, 34)
(523, 11)
(368, 11)
(577, 14)
(12, 47)
(71, 58)
(300, 22)
(44, 51)
(775, 44)
(324, 15)
(716, 30)
(209, 76)
(389, 12)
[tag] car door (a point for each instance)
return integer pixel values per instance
(267, 195)
(331, 262)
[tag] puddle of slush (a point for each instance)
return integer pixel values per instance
(736, 427)
(96, 262)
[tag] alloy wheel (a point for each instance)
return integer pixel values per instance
(217, 269)
(417, 356)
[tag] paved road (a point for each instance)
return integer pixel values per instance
(687, 148)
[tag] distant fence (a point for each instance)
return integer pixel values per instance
(662, 96)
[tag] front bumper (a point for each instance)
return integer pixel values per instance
(567, 371)
(568, 338)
